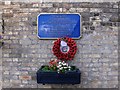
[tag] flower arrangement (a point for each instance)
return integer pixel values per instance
(64, 49)
(63, 67)
(59, 66)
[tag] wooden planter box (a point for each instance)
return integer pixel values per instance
(70, 77)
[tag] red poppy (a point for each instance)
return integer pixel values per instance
(53, 62)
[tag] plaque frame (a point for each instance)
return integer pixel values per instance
(58, 37)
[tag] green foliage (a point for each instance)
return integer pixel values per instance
(45, 68)
(54, 68)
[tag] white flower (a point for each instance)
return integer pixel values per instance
(61, 68)
(59, 63)
(65, 67)
(69, 69)
(64, 64)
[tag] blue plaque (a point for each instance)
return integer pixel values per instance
(52, 26)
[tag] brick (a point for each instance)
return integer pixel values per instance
(95, 10)
(15, 81)
(7, 2)
(6, 55)
(34, 10)
(6, 72)
(35, 5)
(72, 10)
(7, 14)
(25, 41)
(15, 59)
(47, 5)
(82, 9)
(95, 56)
(25, 77)
(114, 18)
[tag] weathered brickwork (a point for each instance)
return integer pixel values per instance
(23, 53)
(0, 49)
(62, 0)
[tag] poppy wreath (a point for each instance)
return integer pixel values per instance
(68, 55)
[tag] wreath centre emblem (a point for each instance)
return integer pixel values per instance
(64, 47)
